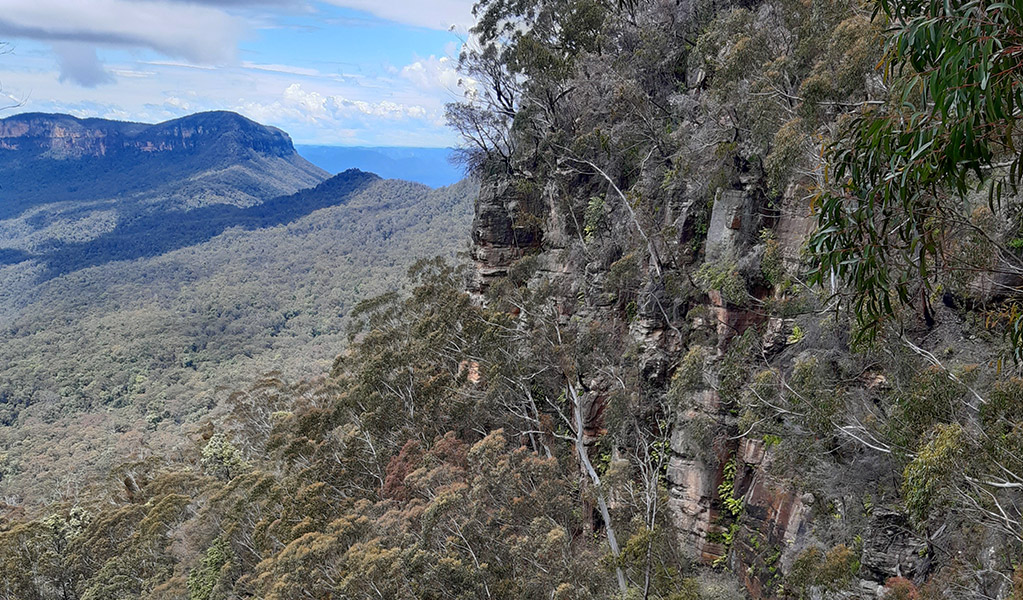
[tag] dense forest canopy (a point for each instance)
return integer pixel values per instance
(169, 313)
(636, 391)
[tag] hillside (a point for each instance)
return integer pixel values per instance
(141, 342)
(145, 267)
(161, 231)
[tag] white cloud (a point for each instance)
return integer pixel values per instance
(195, 33)
(314, 106)
(433, 14)
(132, 73)
(177, 103)
(182, 65)
(80, 64)
(433, 72)
(76, 28)
(291, 70)
(318, 116)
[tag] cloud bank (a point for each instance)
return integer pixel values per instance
(193, 32)
(432, 14)
(80, 64)
(277, 61)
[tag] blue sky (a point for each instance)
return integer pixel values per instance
(343, 72)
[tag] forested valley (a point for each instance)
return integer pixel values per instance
(741, 317)
(126, 320)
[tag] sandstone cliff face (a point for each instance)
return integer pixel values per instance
(712, 457)
(504, 230)
(66, 137)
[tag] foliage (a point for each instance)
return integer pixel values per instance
(772, 264)
(726, 491)
(593, 217)
(813, 393)
(933, 398)
(891, 224)
(725, 278)
(783, 89)
(376, 479)
(900, 588)
(814, 569)
(689, 376)
(733, 505)
(926, 478)
(522, 50)
(1001, 418)
(220, 457)
(204, 579)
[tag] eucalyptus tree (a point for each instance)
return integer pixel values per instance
(903, 212)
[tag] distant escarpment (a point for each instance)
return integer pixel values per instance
(63, 136)
(201, 159)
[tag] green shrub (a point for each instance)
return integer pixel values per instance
(724, 276)
(832, 571)
(926, 478)
(203, 580)
(813, 395)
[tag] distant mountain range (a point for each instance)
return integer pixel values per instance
(78, 192)
(81, 192)
(432, 166)
(145, 267)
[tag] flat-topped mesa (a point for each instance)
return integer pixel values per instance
(67, 137)
(202, 159)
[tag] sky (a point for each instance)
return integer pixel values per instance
(336, 72)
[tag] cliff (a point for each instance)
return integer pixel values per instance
(679, 214)
(796, 492)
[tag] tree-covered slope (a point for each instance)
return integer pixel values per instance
(157, 233)
(144, 346)
(143, 267)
